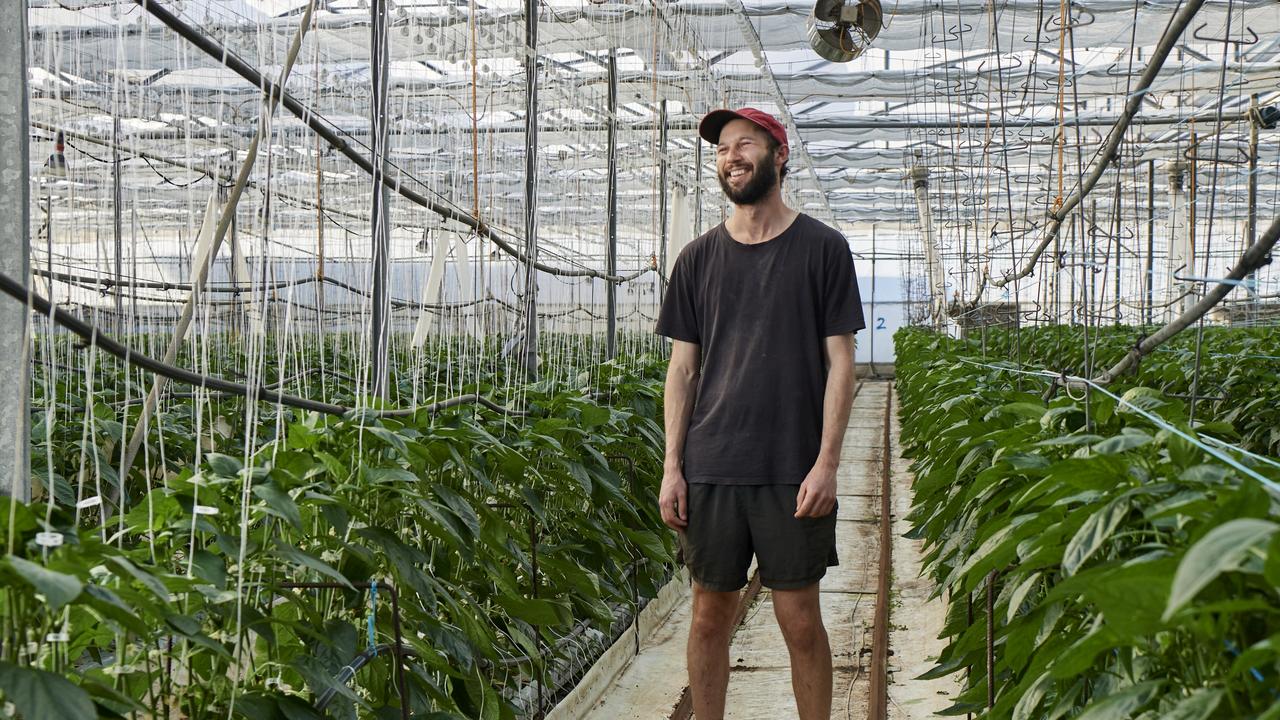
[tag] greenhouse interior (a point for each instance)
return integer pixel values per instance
(332, 387)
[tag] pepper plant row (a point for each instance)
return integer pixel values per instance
(1130, 573)
(500, 536)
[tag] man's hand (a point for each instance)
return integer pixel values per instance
(673, 499)
(817, 496)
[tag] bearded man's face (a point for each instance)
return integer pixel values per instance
(745, 165)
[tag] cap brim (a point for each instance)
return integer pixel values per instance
(714, 121)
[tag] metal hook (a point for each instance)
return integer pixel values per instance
(1056, 20)
(1226, 40)
(1242, 156)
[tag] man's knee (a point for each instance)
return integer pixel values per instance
(800, 617)
(713, 614)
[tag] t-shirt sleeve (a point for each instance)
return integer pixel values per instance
(841, 301)
(678, 318)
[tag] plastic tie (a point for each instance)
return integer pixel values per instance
(373, 612)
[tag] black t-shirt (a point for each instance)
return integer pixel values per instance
(760, 314)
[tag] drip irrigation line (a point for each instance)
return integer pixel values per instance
(274, 91)
(96, 337)
(1106, 154)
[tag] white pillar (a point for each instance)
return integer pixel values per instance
(15, 251)
(933, 262)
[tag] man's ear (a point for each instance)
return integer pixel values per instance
(784, 153)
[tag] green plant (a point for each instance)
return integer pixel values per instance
(500, 534)
(1134, 574)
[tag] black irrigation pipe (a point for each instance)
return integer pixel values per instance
(349, 671)
(236, 64)
(398, 649)
(94, 336)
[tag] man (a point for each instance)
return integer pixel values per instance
(762, 310)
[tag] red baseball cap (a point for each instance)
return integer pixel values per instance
(714, 121)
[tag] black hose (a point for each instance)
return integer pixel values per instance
(349, 671)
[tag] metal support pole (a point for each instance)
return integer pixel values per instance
(697, 187)
(1151, 241)
(15, 253)
(611, 260)
(379, 59)
(1251, 229)
(1089, 288)
(117, 209)
(531, 190)
(1179, 254)
(1119, 247)
(933, 263)
(871, 361)
(664, 229)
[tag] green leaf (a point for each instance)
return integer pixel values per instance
(1141, 397)
(389, 437)
(1131, 596)
(594, 415)
(223, 465)
(1029, 411)
(1094, 533)
(1223, 549)
(1020, 594)
(460, 507)
(1199, 706)
(1272, 567)
(533, 611)
(1121, 443)
(151, 582)
(23, 520)
(310, 561)
(1122, 704)
(279, 501)
(255, 706)
(38, 694)
(1030, 700)
(58, 589)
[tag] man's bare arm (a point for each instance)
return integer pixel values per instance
(817, 494)
(677, 401)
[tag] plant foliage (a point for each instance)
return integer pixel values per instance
(1134, 574)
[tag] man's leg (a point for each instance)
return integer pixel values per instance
(708, 650)
(799, 614)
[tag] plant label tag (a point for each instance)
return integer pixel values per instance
(49, 539)
(58, 637)
(205, 510)
(89, 502)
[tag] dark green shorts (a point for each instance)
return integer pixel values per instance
(730, 523)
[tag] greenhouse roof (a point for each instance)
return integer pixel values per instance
(1004, 109)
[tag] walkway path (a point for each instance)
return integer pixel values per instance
(651, 684)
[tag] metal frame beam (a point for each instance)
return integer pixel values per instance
(611, 258)
(15, 251)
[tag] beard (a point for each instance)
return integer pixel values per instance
(763, 177)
